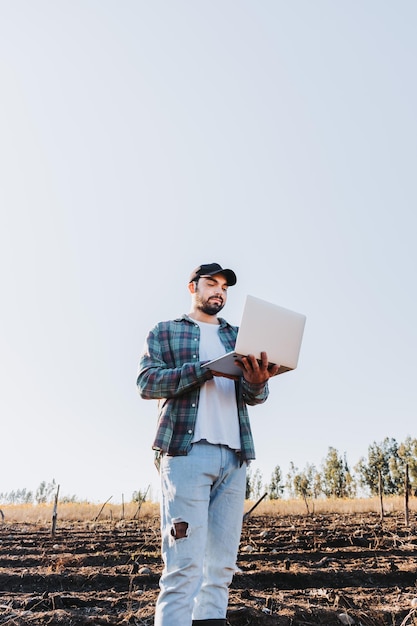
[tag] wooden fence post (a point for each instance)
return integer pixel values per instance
(380, 490)
(406, 494)
(246, 515)
(55, 513)
(99, 513)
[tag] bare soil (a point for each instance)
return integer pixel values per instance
(299, 570)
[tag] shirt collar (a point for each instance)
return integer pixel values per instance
(184, 317)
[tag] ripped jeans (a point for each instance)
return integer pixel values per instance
(201, 521)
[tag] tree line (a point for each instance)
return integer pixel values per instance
(46, 492)
(41, 495)
(383, 472)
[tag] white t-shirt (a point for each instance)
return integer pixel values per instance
(217, 416)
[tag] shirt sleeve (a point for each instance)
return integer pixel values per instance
(157, 380)
(254, 394)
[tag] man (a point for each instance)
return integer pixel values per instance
(203, 445)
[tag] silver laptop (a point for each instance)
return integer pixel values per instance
(265, 327)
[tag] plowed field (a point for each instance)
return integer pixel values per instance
(306, 570)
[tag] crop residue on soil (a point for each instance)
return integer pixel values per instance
(341, 570)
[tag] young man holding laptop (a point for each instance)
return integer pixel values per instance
(203, 445)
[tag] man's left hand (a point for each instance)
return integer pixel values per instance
(257, 372)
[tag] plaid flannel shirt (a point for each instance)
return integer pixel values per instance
(170, 372)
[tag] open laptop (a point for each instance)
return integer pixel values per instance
(265, 327)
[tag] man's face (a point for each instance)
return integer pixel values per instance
(210, 294)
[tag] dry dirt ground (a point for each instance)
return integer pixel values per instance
(299, 570)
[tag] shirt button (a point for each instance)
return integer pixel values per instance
(193, 405)
(190, 432)
(195, 338)
(194, 356)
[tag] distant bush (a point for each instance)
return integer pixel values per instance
(19, 496)
(43, 494)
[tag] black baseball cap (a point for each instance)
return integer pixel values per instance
(209, 269)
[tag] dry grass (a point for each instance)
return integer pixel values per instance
(392, 504)
(87, 512)
(76, 512)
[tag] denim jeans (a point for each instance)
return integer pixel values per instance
(201, 521)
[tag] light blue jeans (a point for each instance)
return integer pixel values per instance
(201, 521)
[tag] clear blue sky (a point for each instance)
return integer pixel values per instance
(140, 139)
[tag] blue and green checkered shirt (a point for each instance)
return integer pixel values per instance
(170, 372)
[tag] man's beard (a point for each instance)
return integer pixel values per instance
(208, 307)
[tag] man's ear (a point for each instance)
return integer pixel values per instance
(191, 287)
